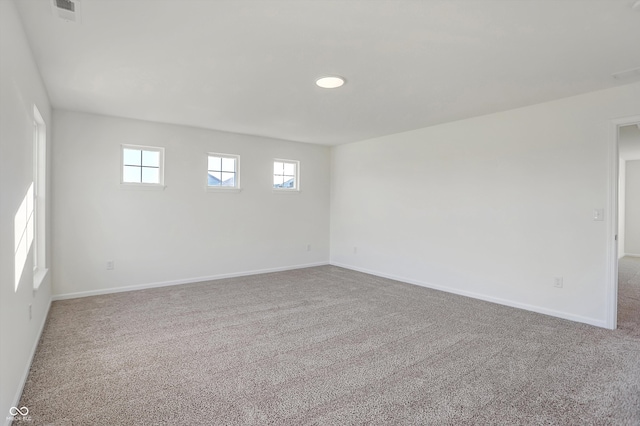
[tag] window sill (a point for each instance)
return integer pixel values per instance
(142, 186)
(39, 274)
(285, 191)
(223, 189)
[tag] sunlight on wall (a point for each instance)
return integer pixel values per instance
(23, 234)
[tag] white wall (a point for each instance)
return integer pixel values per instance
(494, 206)
(20, 89)
(182, 233)
(632, 209)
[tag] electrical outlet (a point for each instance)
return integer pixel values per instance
(110, 265)
(30, 312)
(355, 250)
(308, 247)
(557, 282)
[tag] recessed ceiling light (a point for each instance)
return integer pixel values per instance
(330, 82)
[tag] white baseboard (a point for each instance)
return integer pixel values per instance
(631, 255)
(191, 280)
(25, 373)
(505, 302)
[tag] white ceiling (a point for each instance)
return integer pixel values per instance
(250, 66)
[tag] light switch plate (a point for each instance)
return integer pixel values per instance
(598, 214)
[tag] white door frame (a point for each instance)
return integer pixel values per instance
(612, 222)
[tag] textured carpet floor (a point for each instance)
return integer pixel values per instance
(329, 346)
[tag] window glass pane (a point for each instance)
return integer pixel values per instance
(151, 158)
(215, 178)
(277, 167)
(131, 174)
(228, 179)
(214, 163)
(132, 157)
(289, 169)
(228, 164)
(289, 182)
(278, 181)
(150, 175)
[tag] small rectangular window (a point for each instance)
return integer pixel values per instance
(223, 171)
(142, 165)
(285, 174)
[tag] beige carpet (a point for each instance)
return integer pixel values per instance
(329, 346)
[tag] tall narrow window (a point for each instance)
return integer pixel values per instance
(39, 197)
(223, 171)
(29, 221)
(285, 174)
(142, 165)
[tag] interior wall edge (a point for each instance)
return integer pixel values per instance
(193, 280)
(25, 373)
(480, 296)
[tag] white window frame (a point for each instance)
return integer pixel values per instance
(296, 163)
(142, 185)
(39, 198)
(220, 188)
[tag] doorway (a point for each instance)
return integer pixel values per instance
(624, 229)
(628, 224)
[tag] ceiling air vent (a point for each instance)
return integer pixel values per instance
(67, 10)
(66, 5)
(627, 75)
